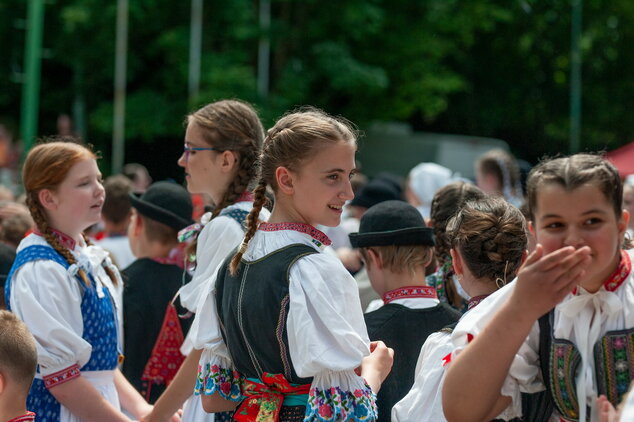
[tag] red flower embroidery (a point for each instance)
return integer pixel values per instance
(325, 411)
(358, 393)
(225, 387)
(214, 368)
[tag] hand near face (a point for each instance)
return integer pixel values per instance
(544, 280)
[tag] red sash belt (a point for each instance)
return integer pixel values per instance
(264, 400)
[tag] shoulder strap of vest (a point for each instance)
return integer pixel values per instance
(29, 254)
(240, 216)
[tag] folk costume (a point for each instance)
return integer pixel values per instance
(587, 339)
(423, 402)
(150, 285)
(76, 327)
(284, 335)
(409, 314)
(216, 238)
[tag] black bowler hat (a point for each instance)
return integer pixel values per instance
(392, 223)
(374, 192)
(165, 202)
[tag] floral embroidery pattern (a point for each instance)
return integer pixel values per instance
(621, 273)
(317, 235)
(335, 404)
(227, 382)
(411, 291)
(614, 357)
(564, 361)
(62, 376)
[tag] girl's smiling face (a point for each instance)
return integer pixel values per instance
(580, 217)
(321, 186)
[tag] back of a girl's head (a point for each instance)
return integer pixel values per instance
(48, 164)
(446, 203)
(575, 171)
(298, 136)
(491, 237)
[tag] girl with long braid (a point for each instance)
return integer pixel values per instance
(283, 330)
(68, 292)
(222, 142)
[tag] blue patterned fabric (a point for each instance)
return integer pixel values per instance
(238, 215)
(100, 330)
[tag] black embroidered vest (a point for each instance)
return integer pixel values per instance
(253, 308)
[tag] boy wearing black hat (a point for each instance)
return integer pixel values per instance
(396, 247)
(155, 277)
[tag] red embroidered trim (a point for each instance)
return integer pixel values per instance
(298, 227)
(426, 292)
(63, 238)
(27, 417)
(62, 376)
(245, 196)
(622, 272)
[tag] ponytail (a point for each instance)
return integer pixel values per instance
(259, 200)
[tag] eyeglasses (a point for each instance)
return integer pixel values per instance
(187, 150)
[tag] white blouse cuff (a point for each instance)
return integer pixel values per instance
(341, 396)
(217, 374)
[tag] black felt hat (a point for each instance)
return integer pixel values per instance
(374, 192)
(392, 223)
(165, 202)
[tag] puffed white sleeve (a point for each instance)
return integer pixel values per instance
(328, 339)
(216, 240)
(524, 374)
(48, 300)
(424, 401)
(216, 372)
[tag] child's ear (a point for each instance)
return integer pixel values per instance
(531, 228)
(623, 222)
(284, 179)
(48, 199)
(3, 384)
(229, 160)
(456, 261)
(375, 258)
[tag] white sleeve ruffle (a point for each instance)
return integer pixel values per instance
(49, 302)
(524, 374)
(424, 401)
(328, 339)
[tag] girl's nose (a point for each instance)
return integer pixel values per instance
(574, 238)
(347, 192)
(182, 160)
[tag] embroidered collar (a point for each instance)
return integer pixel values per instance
(63, 238)
(176, 256)
(245, 196)
(475, 301)
(27, 417)
(424, 292)
(319, 238)
(620, 274)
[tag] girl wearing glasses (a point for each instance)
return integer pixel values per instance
(222, 142)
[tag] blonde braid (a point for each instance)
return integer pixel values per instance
(252, 224)
(109, 270)
(42, 224)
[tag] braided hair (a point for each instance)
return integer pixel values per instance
(491, 236)
(294, 139)
(46, 167)
(231, 125)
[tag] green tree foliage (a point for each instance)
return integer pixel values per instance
(484, 67)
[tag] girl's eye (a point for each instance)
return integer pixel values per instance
(333, 177)
(592, 221)
(554, 225)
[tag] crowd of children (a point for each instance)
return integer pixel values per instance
(252, 313)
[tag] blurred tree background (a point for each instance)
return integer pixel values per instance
(494, 68)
